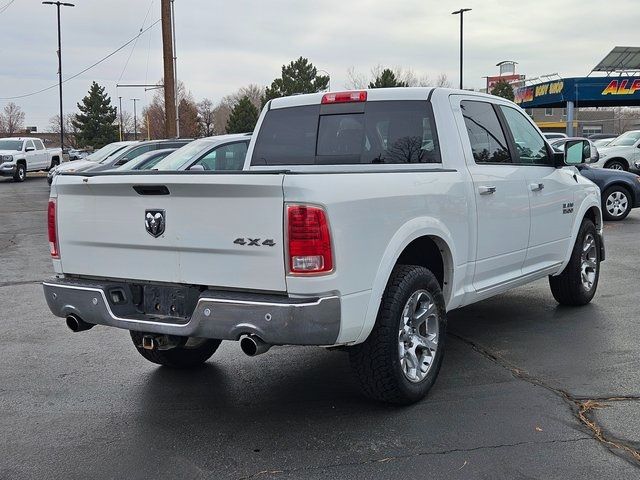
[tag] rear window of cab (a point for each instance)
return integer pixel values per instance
(380, 132)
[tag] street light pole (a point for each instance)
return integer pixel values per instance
(60, 4)
(461, 13)
(121, 127)
(135, 119)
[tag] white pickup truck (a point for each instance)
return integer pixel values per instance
(21, 155)
(622, 153)
(359, 220)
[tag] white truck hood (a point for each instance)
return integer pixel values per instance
(620, 151)
(10, 152)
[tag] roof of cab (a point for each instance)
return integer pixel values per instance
(376, 94)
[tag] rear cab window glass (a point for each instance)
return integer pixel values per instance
(488, 141)
(38, 144)
(380, 132)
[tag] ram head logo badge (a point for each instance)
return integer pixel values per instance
(154, 221)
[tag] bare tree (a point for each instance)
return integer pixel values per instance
(206, 117)
(11, 119)
(70, 130)
(443, 81)
(154, 116)
(355, 80)
(222, 111)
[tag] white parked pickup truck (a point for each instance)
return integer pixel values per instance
(622, 152)
(359, 220)
(21, 155)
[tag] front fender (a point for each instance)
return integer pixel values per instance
(410, 231)
(587, 198)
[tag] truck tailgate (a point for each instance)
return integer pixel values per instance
(219, 230)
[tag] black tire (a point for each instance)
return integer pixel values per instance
(54, 163)
(617, 165)
(611, 215)
(568, 287)
(21, 173)
(377, 362)
(178, 357)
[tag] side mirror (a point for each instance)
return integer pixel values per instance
(29, 149)
(576, 152)
(121, 162)
(196, 168)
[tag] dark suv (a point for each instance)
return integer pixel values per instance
(133, 151)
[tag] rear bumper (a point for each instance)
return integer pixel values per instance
(276, 319)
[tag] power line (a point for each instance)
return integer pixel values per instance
(6, 5)
(86, 69)
(135, 43)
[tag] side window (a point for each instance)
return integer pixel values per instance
(29, 144)
(530, 146)
(225, 157)
(488, 142)
(39, 145)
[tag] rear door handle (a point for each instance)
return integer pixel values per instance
(486, 190)
(536, 187)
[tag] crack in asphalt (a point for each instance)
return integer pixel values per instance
(409, 455)
(580, 406)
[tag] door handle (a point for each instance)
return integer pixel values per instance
(536, 187)
(486, 190)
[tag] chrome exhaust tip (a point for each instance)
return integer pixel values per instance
(253, 345)
(76, 324)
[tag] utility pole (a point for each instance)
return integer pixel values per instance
(169, 72)
(135, 119)
(120, 111)
(461, 13)
(175, 68)
(60, 4)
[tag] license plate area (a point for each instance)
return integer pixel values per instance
(170, 301)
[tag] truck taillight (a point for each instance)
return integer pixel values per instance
(309, 240)
(51, 227)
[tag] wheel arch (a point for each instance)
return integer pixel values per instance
(590, 208)
(424, 242)
(627, 187)
(620, 159)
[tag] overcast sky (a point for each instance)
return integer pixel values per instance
(222, 46)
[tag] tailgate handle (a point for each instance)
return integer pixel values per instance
(151, 189)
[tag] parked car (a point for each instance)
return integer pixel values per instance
(600, 136)
(623, 152)
(620, 190)
(21, 155)
(89, 161)
(146, 161)
(602, 142)
(129, 153)
(221, 152)
(75, 154)
(354, 223)
(554, 135)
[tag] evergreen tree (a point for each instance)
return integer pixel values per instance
(95, 122)
(503, 89)
(300, 76)
(243, 118)
(387, 79)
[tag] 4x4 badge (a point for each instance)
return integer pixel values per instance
(154, 222)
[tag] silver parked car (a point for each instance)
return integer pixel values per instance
(222, 152)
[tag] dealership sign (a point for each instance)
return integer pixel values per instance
(583, 91)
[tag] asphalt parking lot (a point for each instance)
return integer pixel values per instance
(528, 389)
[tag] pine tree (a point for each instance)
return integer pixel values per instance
(387, 79)
(243, 118)
(503, 89)
(300, 76)
(95, 122)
